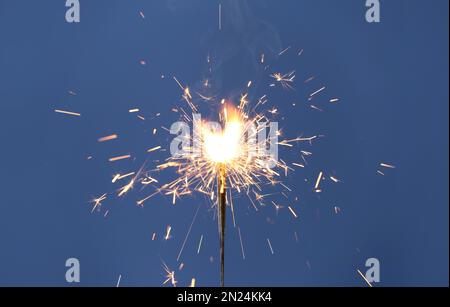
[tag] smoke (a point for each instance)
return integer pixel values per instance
(236, 50)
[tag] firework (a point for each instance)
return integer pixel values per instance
(115, 159)
(285, 79)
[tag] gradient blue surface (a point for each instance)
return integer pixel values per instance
(392, 79)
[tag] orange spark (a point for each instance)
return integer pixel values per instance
(107, 138)
(114, 159)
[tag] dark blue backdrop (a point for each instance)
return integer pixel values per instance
(392, 79)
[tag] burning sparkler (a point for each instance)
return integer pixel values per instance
(222, 160)
(226, 157)
(233, 155)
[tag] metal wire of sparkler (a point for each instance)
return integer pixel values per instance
(221, 209)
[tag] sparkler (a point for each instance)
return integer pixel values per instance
(220, 162)
(230, 156)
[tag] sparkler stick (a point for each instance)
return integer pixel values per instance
(221, 209)
(233, 158)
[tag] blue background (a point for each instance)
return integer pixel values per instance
(391, 77)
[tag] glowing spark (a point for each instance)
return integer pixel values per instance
(336, 180)
(98, 202)
(154, 149)
(120, 177)
(119, 158)
(296, 236)
(170, 277)
(200, 245)
(309, 79)
(387, 166)
(148, 180)
(188, 233)
(186, 94)
(365, 279)
(270, 246)
(277, 207)
(192, 285)
(273, 111)
(293, 212)
(284, 51)
(285, 80)
(68, 112)
(133, 110)
(319, 179)
(334, 100)
(316, 108)
(168, 231)
(108, 138)
(242, 245)
(317, 92)
(115, 178)
(118, 281)
(125, 189)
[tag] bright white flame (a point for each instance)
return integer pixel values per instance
(226, 146)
